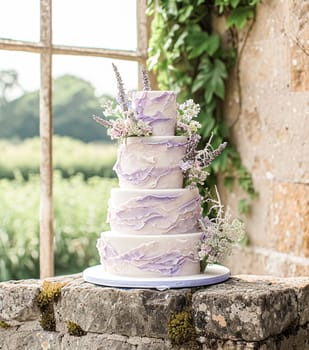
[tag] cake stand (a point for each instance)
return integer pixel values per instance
(213, 274)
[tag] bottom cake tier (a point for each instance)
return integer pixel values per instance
(149, 255)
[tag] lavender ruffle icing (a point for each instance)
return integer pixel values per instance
(142, 176)
(169, 263)
(158, 109)
(148, 168)
(163, 100)
(153, 214)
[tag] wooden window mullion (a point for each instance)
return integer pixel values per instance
(46, 155)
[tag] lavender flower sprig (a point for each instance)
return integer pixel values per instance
(104, 122)
(195, 162)
(146, 81)
(206, 156)
(121, 91)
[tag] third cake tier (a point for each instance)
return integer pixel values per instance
(159, 211)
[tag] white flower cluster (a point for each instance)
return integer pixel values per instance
(128, 126)
(123, 124)
(186, 112)
(219, 234)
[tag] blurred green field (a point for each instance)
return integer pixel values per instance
(80, 215)
(70, 157)
(82, 186)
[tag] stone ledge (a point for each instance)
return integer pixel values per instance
(245, 312)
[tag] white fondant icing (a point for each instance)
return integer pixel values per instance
(158, 108)
(149, 255)
(159, 211)
(151, 162)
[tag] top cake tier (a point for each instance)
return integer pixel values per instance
(157, 108)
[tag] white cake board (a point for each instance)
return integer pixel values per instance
(214, 274)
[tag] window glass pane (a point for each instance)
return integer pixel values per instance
(27, 67)
(19, 158)
(20, 20)
(80, 87)
(95, 23)
(19, 101)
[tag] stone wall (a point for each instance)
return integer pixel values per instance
(245, 312)
(268, 111)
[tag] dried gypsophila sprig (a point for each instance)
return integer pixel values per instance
(146, 81)
(123, 100)
(220, 233)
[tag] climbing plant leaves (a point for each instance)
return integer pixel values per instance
(240, 16)
(189, 57)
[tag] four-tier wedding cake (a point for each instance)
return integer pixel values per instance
(153, 219)
(157, 229)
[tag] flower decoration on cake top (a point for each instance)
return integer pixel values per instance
(121, 122)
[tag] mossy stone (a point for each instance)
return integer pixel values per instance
(180, 328)
(75, 329)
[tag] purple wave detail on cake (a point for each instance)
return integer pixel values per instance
(168, 263)
(140, 104)
(150, 119)
(136, 221)
(144, 211)
(142, 176)
(168, 143)
(190, 205)
(157, 197)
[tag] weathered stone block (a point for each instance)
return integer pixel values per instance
(18, 301)
(299, 47)
(112, 342)
(17, 339)
(136, 312)
(250, 311)
(297, 339)
(291, 217)
(95, 341)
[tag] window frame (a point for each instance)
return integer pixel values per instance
(47, 49)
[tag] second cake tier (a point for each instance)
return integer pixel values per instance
(151, 162)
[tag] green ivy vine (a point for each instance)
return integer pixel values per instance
(188, 56)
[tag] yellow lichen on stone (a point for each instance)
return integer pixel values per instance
(49, 293)
(75, 329)
(180, 328)
(3, 324)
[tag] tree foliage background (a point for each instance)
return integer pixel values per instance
(74, 102)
